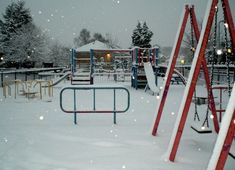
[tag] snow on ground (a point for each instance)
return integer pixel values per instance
(37, 135)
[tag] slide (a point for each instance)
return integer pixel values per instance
(183, 79)
(58, 80)
(150, 77)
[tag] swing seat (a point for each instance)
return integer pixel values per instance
(202, 130)
(200, 100)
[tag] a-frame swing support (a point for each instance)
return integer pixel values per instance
(194, 72)
(225, 137)
(188, 11)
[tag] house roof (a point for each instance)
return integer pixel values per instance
(97, 45)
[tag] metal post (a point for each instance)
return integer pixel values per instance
(2, 78)
(91, 66)
(94, 106)
(74, 107)
(170, 69)
(156, 64)
(114, 106)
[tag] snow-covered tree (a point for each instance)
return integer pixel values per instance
(142, 36)
(136, 36)
(147, 36)
(59, 54)
(28, 43)
(16, 15)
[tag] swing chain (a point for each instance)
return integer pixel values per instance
(212, 61)
(196, 116)
(226, 46)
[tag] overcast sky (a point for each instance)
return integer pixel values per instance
(64, 19)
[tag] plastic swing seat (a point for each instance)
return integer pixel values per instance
(201, 129)
(200, 100)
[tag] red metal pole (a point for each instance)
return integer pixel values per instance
(206, 73)
(171, 67)
(201, 48)
(227, 144)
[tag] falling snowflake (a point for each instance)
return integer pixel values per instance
(39, 12)
(52, 15)
(118, 2)
(5, 140)
(48, 20)
(123, 166)
(172, 113)
(41, 117)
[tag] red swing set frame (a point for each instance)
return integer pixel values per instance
(199, 61)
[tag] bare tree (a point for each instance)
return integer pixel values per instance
(59, 54)
(83, 38)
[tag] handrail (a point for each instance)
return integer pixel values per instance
(94, 110)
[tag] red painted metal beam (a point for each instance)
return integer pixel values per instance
(206, 73)
(201, 48)
(227, 144)
(171, 67)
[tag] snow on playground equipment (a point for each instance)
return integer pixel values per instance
(225, 137)
(189, 11)
(110, 62)
(80, 69)
(29, 88)
(199, 60)
(151, 85)
(139, 57)
(95, 109)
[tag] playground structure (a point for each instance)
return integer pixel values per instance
(29, 88)
(139, 57)
(115, 63)
(118, 63)
(198, 62)
(151, 85)
(110, 62)
(95, 109)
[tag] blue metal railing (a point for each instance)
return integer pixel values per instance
(94, 110)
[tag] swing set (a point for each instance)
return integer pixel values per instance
(199, 61)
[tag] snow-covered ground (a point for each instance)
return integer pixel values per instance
(36, 135)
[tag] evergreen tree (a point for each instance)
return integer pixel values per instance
(147, 35)
(136, 36)
(16, 15)
(20, 39)
(142, 36)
